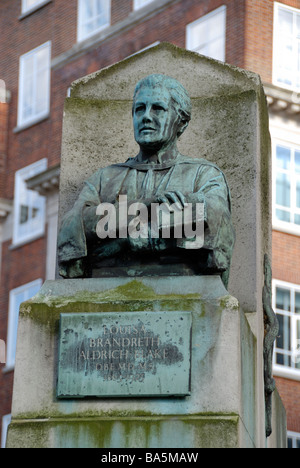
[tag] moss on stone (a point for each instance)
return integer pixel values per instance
(131, 297)
(195, 431)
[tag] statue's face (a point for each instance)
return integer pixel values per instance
(155, 119)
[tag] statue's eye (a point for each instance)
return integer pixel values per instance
(157, 107)
(139, 108)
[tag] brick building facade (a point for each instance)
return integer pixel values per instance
(47, 44)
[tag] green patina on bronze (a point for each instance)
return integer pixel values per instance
(271, 330)
(158, 174)
(132, 354)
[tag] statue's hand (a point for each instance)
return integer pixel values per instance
(171, 197)
(110, 249)
(72, 269)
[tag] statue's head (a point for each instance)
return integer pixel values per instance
(161, 111)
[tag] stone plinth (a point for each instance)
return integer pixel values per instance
(220, 410)
(229, 127)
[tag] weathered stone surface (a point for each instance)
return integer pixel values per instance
(224, 389)
(204, 297)
(209, 431)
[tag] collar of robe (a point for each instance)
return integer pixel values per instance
(133, 163)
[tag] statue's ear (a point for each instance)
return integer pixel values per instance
(182, 127)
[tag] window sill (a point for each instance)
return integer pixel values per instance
(34, 9)
(8, 369)
(135, 8)
(33, 122)
(82, 38)
(292, 229)
(18, 245)
(286, 373)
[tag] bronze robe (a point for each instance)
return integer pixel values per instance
(197, 179)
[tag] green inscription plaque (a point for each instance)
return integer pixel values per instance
(124, 355)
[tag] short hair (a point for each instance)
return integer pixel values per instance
(178, 93)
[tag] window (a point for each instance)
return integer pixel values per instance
(286, 303)
(5, 423)
(93, 16)
(140, 3)
(34, 85)
(2, 91)
(207, 35)
(286, 56)
(286, 186)
(28, 5)
(293, 440)
(29, 206)
(16, 297)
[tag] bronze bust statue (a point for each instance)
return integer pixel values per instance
(158, 174)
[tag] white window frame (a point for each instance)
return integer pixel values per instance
(190, 27)
(26, 7)
(36, 116)
(276, 39)
(6, 419)
(295, 437)
(138, 4)
(20, 177)
(289, 227)
(81, 35)
(13, 316)
(279, 369)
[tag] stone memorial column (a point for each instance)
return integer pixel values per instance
(156, 350)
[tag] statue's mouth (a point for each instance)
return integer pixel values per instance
(147, 129)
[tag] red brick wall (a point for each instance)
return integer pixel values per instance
(120, 9)
(289, 391)
(285, 259)
(259, 36)
(286, 255)
(6, 386)
(3, 144)
(19, 266)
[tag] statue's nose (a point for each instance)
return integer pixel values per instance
(147, 115)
